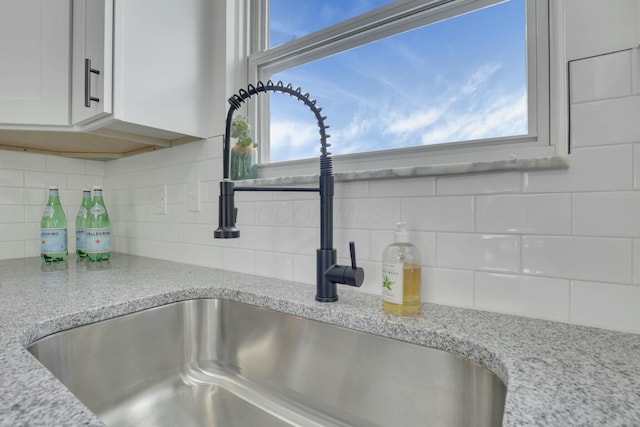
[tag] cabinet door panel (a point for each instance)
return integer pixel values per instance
(92, 40)
(34, 62)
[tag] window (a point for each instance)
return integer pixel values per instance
(404, 83)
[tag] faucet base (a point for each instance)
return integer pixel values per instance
(326, 291)
(322, 299)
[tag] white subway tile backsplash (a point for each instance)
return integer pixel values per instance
(240, 260)
(351, 190)
(32, 213)
(304, 268)
(246, 213)
(538, 297)
(96, 167)
(306, 213)
(210, 170)
(373, 213)
(183, 173)
(296, 240)
(36, 179)
(32, 247)
(19, 231)
(273, 213)
(635, 71)
(606, 305)
(611, 121)
(187, 153)
(11, 178)
(425, 241)
(130, 180)
(448, 287)
(636, 166)
(214, 147)
(407, 187)
(483, 252)
(199, 234)
(182, 252)
(590, 169)
(66, 165)
(636, 261)
(11, 196)
(13, 249)
(584, 258)
(255, 237)
(372, 279)
(601, 77)
(598, 38)
(208, 256)
(452, 213)
(505, 182)
(22, 161)
(36, 196)
(612, 214)
(78, 182)
(524, 214)
(274, 264)
(13, 213)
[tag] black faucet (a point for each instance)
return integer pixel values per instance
(328, 272)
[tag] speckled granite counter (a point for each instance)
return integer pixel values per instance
(556, 374)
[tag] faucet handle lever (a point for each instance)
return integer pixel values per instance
(352, 251)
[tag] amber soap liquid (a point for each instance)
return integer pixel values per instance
(411, 299)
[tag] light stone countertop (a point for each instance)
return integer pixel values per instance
(556, 374)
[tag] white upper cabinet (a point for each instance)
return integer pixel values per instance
(138, 71)
(162, 67)
(34, 62)
(92, 54)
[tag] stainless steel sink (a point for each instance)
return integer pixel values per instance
(208, 362)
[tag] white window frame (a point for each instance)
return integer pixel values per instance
(545, 146)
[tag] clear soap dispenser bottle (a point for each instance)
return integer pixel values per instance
(401, 276)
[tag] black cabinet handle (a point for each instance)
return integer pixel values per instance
(87, 83)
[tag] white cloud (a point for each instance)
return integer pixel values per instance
(299, 138)
(498, 116)
(414, 121)
(479, 77)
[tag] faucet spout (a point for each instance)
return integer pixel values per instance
(328, 272)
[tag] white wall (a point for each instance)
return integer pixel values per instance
(561, 245)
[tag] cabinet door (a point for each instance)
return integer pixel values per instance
(34, 62)
(92, 59)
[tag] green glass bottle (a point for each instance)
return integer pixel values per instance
(98, 230)
(53, 229)
(81, 223)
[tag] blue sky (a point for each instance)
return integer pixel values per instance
(460, 79)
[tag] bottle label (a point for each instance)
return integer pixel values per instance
(98, 240)
(48, 212)
(81, 238)
(393, 282)
(53, 240)
(97, 210)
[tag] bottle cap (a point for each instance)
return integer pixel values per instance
(402, 236)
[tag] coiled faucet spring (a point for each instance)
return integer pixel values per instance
(236, 101)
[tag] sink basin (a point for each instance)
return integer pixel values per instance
(210, 362)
